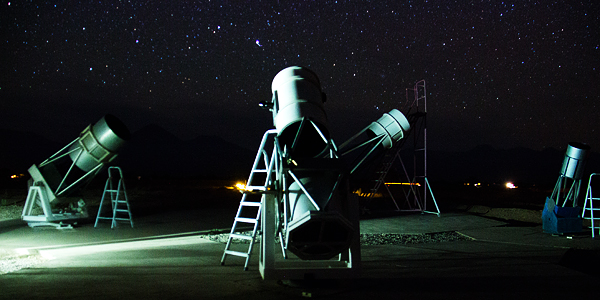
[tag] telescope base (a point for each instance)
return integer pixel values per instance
(36, 197)
(276, 265)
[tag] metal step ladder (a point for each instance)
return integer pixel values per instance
(381, 173)
(384, 168)
(589, 211)
(115, 190)
(249, 211)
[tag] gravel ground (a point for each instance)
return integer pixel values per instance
(11, 263)
(374, 238)
(10, 212)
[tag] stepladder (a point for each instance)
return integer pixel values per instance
(591, 207)
(246, 224)
(114, 193)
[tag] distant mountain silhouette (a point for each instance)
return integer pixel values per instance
(156, 152)
(20, 150)
(153, 151)
(488, 164)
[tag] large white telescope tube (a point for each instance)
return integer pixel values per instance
(317, 225)
(574, 161)
(391, 126)
(97, 145)
(100, 143)
(298, 111)
(382, 134)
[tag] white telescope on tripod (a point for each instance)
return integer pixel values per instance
(55, 181)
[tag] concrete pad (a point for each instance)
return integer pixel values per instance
(501, 262)
(532, 236)
(426, 223)
(59, 251)
(464, 269)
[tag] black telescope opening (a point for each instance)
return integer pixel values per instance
(579, 145)
(117, 127)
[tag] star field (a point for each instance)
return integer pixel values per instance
(504, 73)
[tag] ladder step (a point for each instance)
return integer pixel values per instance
(236, 253)
(253, 188)
(246, 220)
(121, 210)
(112, 191)
(240, 236)
(248, 203)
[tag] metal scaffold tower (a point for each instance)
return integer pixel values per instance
(416, 188)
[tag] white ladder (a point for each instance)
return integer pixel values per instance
(588, 206)
(249, 211)
(118, 198)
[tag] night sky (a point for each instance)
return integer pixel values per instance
(504, 73)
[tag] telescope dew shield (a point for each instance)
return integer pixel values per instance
(297, 98)
(574, 161)
(392, 126)
(99, 143)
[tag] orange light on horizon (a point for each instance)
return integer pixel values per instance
(403, 183)
(510, 185)
(360, 193)
(244, 188)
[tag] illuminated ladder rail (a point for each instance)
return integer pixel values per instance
(384, 168)
(118, 198)
(247, 205)
(589, 207)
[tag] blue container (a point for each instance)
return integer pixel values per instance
(559, 220)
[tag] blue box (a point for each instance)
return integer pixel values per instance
(559, 220)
